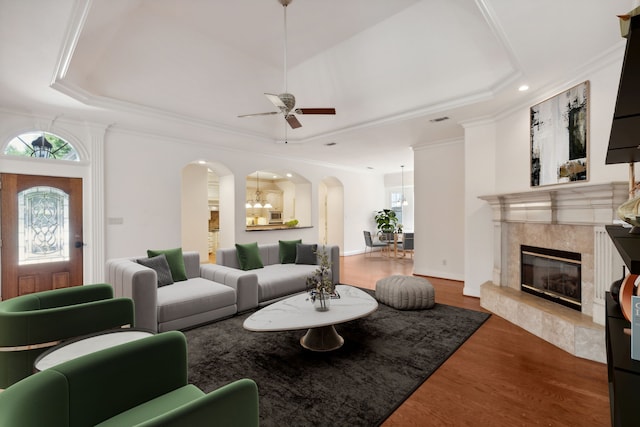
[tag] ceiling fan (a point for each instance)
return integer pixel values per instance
(286, 102)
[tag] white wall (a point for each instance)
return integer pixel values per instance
(480, 175)
(335, 215)
(195, 209)
(227, 235)
(439, 177)
(513, 143)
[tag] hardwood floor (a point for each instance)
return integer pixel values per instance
(501, 376)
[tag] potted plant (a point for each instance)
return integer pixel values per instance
(320, 283)
(386, 221)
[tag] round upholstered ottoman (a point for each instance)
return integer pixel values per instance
(406, 292)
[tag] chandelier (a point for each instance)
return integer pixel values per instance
(258, 202)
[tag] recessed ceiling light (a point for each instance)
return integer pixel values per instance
(201, 162)
(369, 167)
(523, 88)
(289, 175)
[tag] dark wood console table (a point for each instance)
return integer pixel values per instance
(623, 371)
(628, 246)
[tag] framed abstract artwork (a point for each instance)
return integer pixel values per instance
(559, 131)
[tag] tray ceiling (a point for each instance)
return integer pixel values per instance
(388, 67)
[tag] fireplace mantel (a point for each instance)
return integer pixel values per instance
(573, 205)
(569, 218)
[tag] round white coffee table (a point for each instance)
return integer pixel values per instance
(298, 312)
(68, 350)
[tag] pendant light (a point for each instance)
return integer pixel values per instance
(258, 202)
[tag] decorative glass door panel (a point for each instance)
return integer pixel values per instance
(43, 224)
(41, 231)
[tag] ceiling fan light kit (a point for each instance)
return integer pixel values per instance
(286, 102)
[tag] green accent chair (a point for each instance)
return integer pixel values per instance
(140, 383)
(31, 323)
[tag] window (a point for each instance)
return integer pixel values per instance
(396, 205)
(43, 224)
(43, 145)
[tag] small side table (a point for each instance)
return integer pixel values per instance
(87, 344)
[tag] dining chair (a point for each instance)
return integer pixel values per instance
(368, 240)
(407, 243)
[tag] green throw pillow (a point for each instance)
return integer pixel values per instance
(288, 251)
(175, 260)
(249, 256)
(306, 254)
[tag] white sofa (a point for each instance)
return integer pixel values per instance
(208, 294)
(274, 280)
(211, 291)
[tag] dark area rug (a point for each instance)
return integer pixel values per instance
(385, 357)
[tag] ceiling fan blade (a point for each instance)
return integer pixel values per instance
(315, 110)
(293, 121)
(275, 100)
(270, 113)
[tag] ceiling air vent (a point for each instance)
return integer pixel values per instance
(439, 119)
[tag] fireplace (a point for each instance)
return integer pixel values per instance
(566, 218)
(552, 274)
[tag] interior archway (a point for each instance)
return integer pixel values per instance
(287, 193)
(208, 207)
(331, 212)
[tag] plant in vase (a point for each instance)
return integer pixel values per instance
(320, 285)
(386, 221)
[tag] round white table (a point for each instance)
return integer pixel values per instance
(71, 349)
(298, 312)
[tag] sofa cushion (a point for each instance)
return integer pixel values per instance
(278, 280)
(249, 256)
(191, 297)
(160, 265)
(175, 260)
(288, 251)
(153, 408)
(306, 254)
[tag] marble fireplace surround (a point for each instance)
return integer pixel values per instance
(569, 218)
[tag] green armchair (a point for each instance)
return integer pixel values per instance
(31, 323)
(141, 383)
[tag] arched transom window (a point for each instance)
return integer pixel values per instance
(43, 145)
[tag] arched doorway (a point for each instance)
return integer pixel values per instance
(331, 212)
(39, 220)
(208, 213)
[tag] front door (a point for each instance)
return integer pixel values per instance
(41, 232)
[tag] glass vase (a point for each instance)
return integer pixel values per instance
(322, 301)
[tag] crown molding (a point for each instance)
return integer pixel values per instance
(79, 15)
(437, 144)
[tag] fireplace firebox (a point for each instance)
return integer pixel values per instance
(552, 274)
